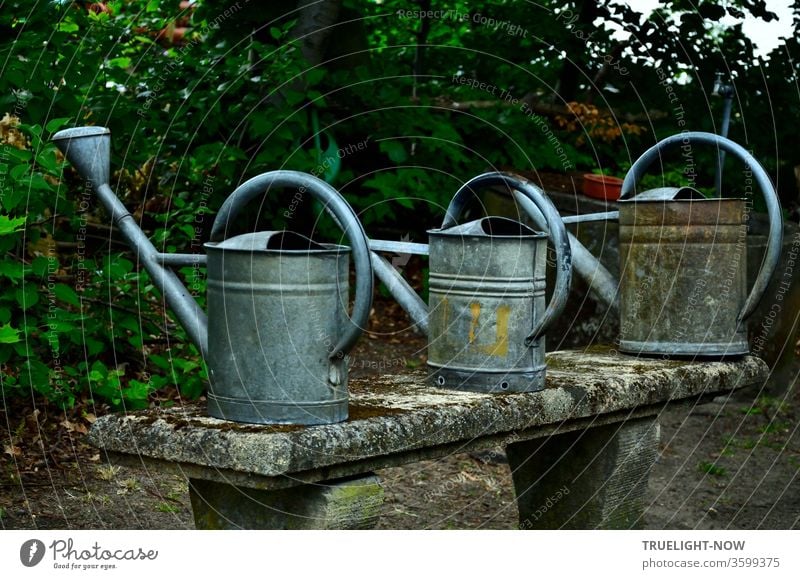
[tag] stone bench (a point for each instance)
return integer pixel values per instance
(580, 451)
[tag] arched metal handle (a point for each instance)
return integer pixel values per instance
(775, 240)
(343, 214)
(557, 234)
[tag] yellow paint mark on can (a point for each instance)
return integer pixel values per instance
(500, 345)
(475, 310)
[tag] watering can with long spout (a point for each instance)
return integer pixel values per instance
(277, 332)
(683, 284)
(486, 317)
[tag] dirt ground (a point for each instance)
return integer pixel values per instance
(729, 464)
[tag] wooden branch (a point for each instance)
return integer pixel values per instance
(546, 109)
(125, 310)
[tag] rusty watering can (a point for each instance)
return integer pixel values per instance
(486, 316)
(277, 330)
(683, 285)
(683, 257)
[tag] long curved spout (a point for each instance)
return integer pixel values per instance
(88, 149)
(601, 283)
(401, 291)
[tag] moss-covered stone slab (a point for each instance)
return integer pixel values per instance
(400, 418)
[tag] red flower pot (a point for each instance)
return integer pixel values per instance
(602, 186)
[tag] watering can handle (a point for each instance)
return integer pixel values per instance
(775, 240)
(557, 234)
(343, 214)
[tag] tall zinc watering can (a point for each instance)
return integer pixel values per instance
(682, 289)
(683, 285)
(487, 316)
(277, 330)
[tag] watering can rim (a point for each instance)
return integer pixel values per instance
(707, 199)
(330, 249)
(325, 249)
(449, 231)
(80, 132)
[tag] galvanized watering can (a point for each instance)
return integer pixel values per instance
(487, 317)
(683, 264)
(277, 330)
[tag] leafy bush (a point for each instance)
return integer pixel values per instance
(77, 322)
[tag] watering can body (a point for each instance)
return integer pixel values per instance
(276, 302)
(683, 276)
(683, 260)
(487, 317)
(487, 283)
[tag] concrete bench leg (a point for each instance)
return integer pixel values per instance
(354, 503)
(590, 479)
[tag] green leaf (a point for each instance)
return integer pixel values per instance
(8, 335)
(135, 395)
(22, 155)
(67, 27)
(37, 182)
(93, 346)
(12, 270)
(10, 224)
(39, 265)
(47, 160)
(55, 124)
(13, 197)
(315, 75)
(159, 361)
(66, 294)
(27, 296)
(18, 172)
(395, 150)
(119, 62)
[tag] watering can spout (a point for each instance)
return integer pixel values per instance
(88, 149)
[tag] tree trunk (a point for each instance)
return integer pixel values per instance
(316, 20)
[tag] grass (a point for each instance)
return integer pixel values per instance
(107, 472)
(766, 405)
(127, 485)
(745, 443)
(775, 426)
(103, 499)
(711, 469)
(167, 508)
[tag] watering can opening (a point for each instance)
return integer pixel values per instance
(491, 227)
(270, 242)
(668, 194)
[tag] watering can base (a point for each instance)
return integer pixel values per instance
(738, 347)
(277, 411)
(502, 382)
